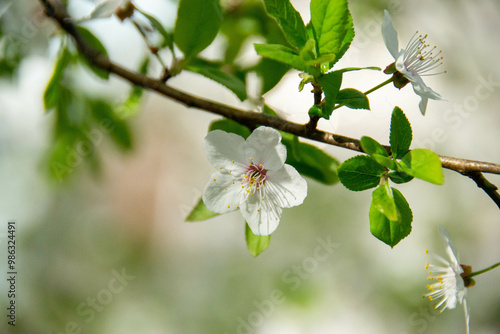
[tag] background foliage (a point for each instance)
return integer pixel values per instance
(200, 277)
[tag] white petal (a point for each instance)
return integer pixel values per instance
(286, 187)
(223, 148)
(262, 216)
(222, 195)
(267, 149)
(422, 89)
(451, 250)
(390, 35)
(466, 313)
(105, 9)
(422, 105)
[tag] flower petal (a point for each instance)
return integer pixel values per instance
(390, 35)
(466, 313)
(451, 250)
(222, 193)
(262, 216)
(266, 148)
(286, 187)
(423, 91)
(226, 150)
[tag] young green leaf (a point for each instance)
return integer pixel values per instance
(388, 231)
(52, 92)
(310, 161)
(353, 99)
(282, 54)
(423, 164)
(399, 177)
(360, 173)
(256, 244)
(168, 38)
(96, 44)
(383, 201)
(130, 107)
(346, 43)
(213, 71)
(371, 146)
(107, 119)
(198, 22)
(401, 134)
(377, 152)
(228, 125)
(200, 213)
(289, 20)
(331, 22)
(330, 83)
(271, 72)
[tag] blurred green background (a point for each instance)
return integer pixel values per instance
(110, 252)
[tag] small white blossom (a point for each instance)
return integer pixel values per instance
(449, 285)
(104, 9)
(413, 62)
(252, 176)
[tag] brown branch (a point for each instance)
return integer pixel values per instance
(486, 185)
(470, 168)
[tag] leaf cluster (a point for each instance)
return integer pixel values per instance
(390, 214)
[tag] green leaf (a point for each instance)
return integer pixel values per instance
(423, 164)
(168, 38)
(399, 177)
(401, 134)
(282, 54)
(52, 92)
(371, 146)
(96, 44)
(346, 43)
(271, 72)
(109, 122)
(289, 20)
(391, 232)
(269, 111)
(198, 22)
(256, 243)
(383, 201)
(330, 83)
(231, 126)
(214, 72)
(353, 99)
(360, 173)
(331, 22)
(131, 105)
(310, 161)
(377, 152)
(200, 213)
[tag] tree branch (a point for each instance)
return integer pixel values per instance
(54, 9)
(486, 185)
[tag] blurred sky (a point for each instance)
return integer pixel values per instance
(120, 237)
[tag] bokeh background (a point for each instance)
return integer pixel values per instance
(76, 237)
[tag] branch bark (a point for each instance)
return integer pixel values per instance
(55, 10)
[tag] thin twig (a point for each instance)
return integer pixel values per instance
(470, 168)
(487, 186)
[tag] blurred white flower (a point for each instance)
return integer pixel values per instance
(252, 176)
(449, 285)
(412, 62)
(104, 9)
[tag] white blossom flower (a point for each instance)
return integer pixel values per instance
(413, 62)
(252, 176)
(104, 9)
(450, 285)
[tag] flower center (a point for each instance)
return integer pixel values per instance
(420, 57)
(255, 176)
